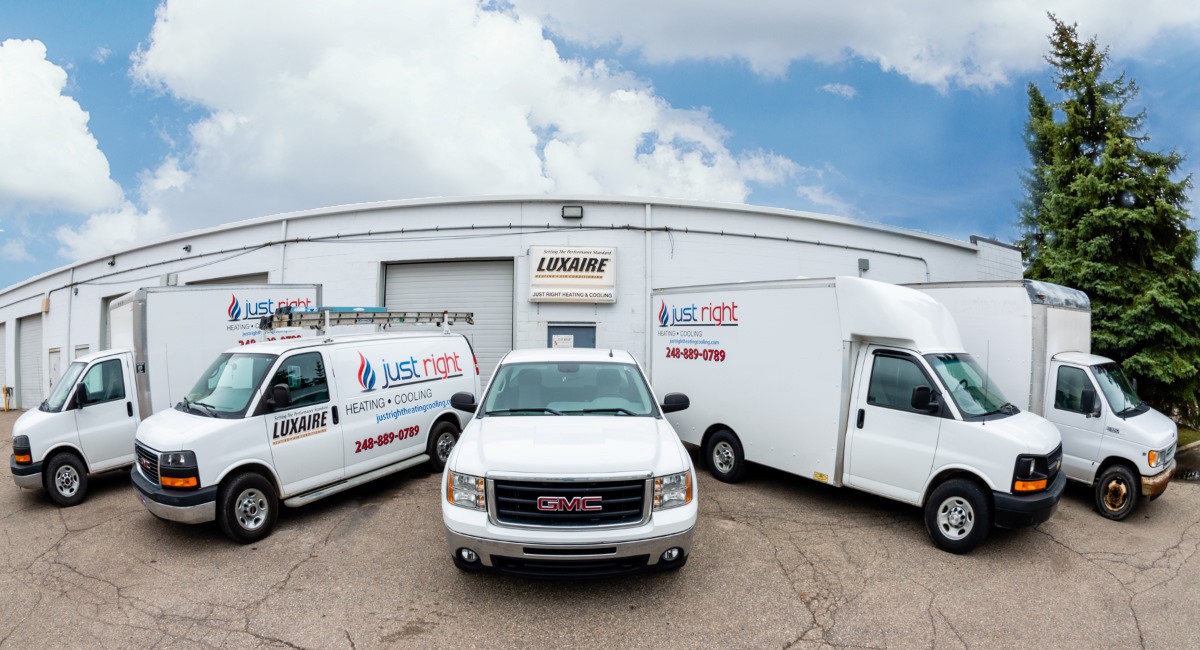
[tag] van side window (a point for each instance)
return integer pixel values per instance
(104, 382)
(1068, 391)
(304, 375)
(892, 382)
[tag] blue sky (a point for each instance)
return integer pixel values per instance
(199, 113)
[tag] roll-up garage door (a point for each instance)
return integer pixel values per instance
(484, 287)
(29, 357)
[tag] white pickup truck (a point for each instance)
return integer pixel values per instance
(569, 469)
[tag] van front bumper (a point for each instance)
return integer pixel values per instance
(1153, 486)
(25, 476)
(1015, 510)
(573, 560)
(184, 506)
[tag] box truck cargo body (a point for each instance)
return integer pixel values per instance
(1035, 338)
(163, 338)
(857, 383)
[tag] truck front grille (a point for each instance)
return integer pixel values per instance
(1054, 462)
(569, 503)
(147, 462)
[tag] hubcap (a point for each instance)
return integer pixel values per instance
(250, 509)
(445, 444)
(723, 457)
(1115, 494)
(955, 518)
(66, 480)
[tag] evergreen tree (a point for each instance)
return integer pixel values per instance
(1102, 214)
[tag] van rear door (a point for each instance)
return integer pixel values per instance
(304, 435)
(891, 444)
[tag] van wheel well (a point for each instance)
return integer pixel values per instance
(1115, 460)
(710, 431)
(958, 473)
(254, 468)
(448, 417)
(66, 449)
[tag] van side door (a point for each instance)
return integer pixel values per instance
(104, 415)
(1081, 431)
(891, 445)
(304, 437)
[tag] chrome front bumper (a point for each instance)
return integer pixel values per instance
(197, 514)
(29, 481)
(653, 547)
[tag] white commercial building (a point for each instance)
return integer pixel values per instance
(536, 270)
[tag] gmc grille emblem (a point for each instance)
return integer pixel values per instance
(145, 464)
(569, 504)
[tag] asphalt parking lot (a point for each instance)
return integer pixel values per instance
(778, 562)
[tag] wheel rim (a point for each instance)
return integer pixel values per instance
(955, 518)
(1116, 494)
(723, 458)
(445, 444)
(250, 509)
(66, 481)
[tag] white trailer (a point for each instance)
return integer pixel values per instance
(163, 338)
(857, 383)
(1035, 339)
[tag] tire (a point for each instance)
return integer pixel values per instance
(247, 508)
(438, 450)
(66, 479)
(958, 516)
(724, 456)
(1117, 492)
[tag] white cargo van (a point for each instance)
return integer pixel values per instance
(1036, 338)
(569, 470)
(296, 421)
(163, 337)
(857, 383)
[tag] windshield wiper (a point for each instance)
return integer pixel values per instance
(614, 409)
(1008, 408)
(196, 406)
(535, 409)
(209, 408)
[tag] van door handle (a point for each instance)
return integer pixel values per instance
(335, 419)
(129, 408)
(862, 416)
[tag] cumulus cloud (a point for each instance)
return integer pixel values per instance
(13, 250)
(310, 104)
(110, 231)
(101, 54)
(48, 158)
(935, 42)
(841, 90)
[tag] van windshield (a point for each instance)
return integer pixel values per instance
(62, 390)
(225, 389)
(969, 387)
(616, 389)
(1118, 389)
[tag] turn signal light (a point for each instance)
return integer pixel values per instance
(1152, 457)
(173, 482)
(23, 458)
(1029, 486)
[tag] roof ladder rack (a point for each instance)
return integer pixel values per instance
(322, 318)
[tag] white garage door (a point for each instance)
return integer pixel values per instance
(29, 355)
(484, 287)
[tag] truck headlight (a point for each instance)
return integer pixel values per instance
(466, 491)
(1031, 474)
(178, 469)
(21, 450)
(672, 490)
(1156, 457)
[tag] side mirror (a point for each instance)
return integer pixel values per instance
(463, 402)
(924, 399)
(675, 402)
(1088, 403)
(281, 397)
(78, 398)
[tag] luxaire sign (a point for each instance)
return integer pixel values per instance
(572, 274)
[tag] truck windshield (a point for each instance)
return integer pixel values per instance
(969, 387)
(62, 390)
(613, 389)
(1118, 390)
(225, 389)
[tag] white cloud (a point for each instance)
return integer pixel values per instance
(111, 231)
(101, 54)
(312, 104)
(48, 158)
(841, 90)
(935, 42)
(13, 250)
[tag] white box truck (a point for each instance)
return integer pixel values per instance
(1035, 338)
(162, 338)
(854, 383)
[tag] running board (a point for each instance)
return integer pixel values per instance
(309, 497)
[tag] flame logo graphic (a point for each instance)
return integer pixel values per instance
(235, 308)
(366, 376)
(662, 314)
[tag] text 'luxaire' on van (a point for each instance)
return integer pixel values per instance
(857, 383)
(296, 421)
(569, 469)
